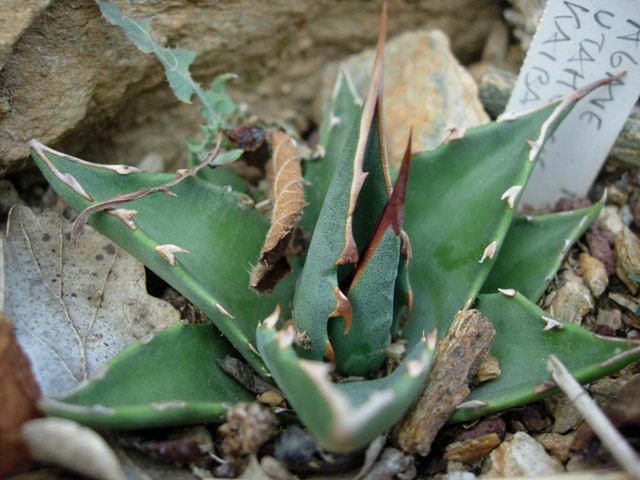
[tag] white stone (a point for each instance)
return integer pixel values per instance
(518, 456)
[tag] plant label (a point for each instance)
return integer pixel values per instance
(578, 42)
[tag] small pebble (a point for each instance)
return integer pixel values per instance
(488, 368)
(594, 274)
(556, 445)
(573, 299)
(627, 246)
(520, 455)
(471, 450)
(566, 416)
(616, 196)
(532, 418)
(606, 390)
(626, 215)
(624, 301)
(458, 476)
(609, 318)
(610, 220)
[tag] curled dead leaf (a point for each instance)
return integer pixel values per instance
(287, 192)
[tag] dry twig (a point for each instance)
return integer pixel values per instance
(597, 420)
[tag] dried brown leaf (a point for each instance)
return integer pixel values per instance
(287, 193)
(91, 303)
(18, 395)
(469, 337)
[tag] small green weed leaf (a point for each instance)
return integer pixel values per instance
(227, 157)
(201, 239)
(176, 62)
(218, 97)
(171, 378)
(525, 337)
(534, 249)
(339, 116)
(342, 416)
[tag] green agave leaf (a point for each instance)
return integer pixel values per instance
(534, 249)
(222, 235)
(317, 292)
(460, 202)
(224, 177)
(360, 345)
(363, 348)
(342, 416)
(172, 378)
(339, 116)
(525, 337)
(357, 195)
(176, 62)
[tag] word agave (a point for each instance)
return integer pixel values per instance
(385, 264)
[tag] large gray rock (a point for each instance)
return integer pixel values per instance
(73, 81)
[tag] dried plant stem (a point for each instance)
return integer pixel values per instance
(143, 192)
(597, 420)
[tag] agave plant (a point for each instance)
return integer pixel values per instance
(385, 264)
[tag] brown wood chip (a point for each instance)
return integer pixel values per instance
(469, 337)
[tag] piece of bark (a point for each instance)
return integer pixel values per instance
(19, 393)
(472, 450)
(287, 192)
(469, 336)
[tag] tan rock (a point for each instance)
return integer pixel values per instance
(488, 368)
(594, 274)
(518, 456)
(471, 450)
(14, 20)
(573, 299)
(609, 318)
(627, 246)
(566, 416)
(556, 445)
(424, 87)
(606, 390)
(624, 301)
(609, 218)
(72, 80)
(458, 475)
